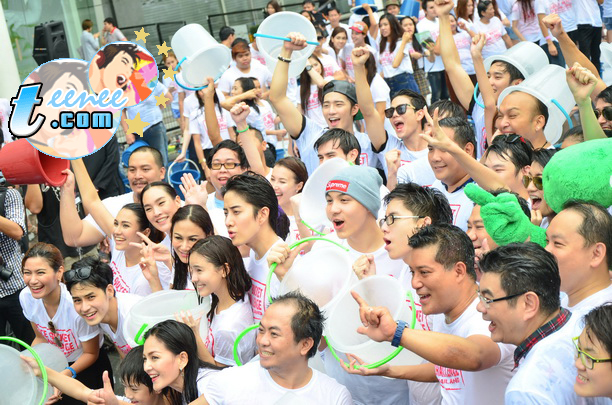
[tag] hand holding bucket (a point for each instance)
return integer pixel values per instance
(13, 379)
(21, 163)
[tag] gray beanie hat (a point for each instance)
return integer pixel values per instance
(360, 182)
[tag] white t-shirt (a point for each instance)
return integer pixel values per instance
(256, 385)
(407, 156)
(528, 26)
(125, 302)
(349, 39)
(267, 116)
(313, 131)
(345, 55)
(223, 330)
(479, 127)
(463, 41)
(418, 171)
(380, 91)
(257, 55)
(330, 65)
(587, 12)
(258, 270)
(565, 10)
(460, 204)
(197, 125)
(257, 70)
(473, 387)
(71, 329)
(113, 205)
(590, 302)
(191, 104)
(217, 216)
(131, 279)
(607, 10)
(434, 28)
(494, 31)
(546, 375)
(387, 57)
(313, 108)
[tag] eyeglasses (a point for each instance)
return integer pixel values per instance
(606, 112)
(320, 37)
(390, 219)
(79, 274)
(488, 301)
(587, 360)
(401, 110)
(56, 339)
(509, 138)
(537, 181)
(227, 165)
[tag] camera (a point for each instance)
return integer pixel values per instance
(5, 272)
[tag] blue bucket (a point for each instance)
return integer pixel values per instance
(125, 156)
(175, 176)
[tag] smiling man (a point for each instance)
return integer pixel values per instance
(519, 294)
(288, 336)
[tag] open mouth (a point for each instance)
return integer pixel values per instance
(424, 298)
(90, 316)
(492, 326)
(231, 235)
(580, 379)
(535, 202)
(334, 122)
(36, 290)
(122, 82)
(154, 377)
(263, 353)
(398, 125)
(338, 224)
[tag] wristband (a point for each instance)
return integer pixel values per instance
(548, 38)
(244, 130)
(203, 160)
(284, 59)
(399, 331)
(74, 373)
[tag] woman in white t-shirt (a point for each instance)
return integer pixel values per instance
(47, 304)
(337, 45)
(417, 55)
(330, 65)
(490, 25)
(311, 95)
(178, 93)
(395, 62)
(171, 360)
(217, 270)
(269, 118)
(525, 21)
(465, 13)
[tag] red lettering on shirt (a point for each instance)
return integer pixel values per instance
(118, 281)
(268, 120)
(450, 379)
(66, 337)
(561, 6)
(364, 159)
(210, 340)
(257, 296)
(455, 209)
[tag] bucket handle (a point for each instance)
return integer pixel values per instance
(186, 160)
(282, 38)
(43, 370)
(390, 356)
(567, 117)
(182, 85)
(238, 339)
(291, 247)
(139, 338)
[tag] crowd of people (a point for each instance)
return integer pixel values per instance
(455, 186)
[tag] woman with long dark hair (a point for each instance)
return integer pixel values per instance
(417, 55)
(310, 90)
(394, 59)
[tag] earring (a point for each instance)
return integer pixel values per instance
(182, 373)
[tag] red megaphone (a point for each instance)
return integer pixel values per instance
(21, 163)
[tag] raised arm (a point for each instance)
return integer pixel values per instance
(373, 22)
(210, 116)
(399, 56)
(581, 82)
(484, 85)
(374, 122)
(289, 114)
(248, 141)
(34, 199)
(91, 200)
(460, 80)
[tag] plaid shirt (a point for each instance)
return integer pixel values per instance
(9, 248)
(545, 330)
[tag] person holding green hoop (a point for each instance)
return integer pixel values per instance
(288, 335)
(470, 367)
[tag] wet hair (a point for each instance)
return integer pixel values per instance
(575, 133)
(334, 33)
(395, 32)
(157, 157)
(542, 156)
(101, 275)
(112, 50)
(177, 337)
(199, 217)
(462, 10)
(220, 252)
(225, 32)
(519, 153)
(297, 167)
(308, 320)
(233, 146)
(463, 132)
(596, 226)
(306, 82)
(131, 370)
(416, 99)
(86, 24)
(47, 251)
(257, 191)
(49, 73)
(598, 325)
(342, 139)
(422, 201)
(168, 189)
(605, 95)
(453, 245)
(525, 267)
(447, 109)
(247, 84)
(142, 222)
(509, 68)
(111, 21)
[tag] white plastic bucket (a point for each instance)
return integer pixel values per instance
(312, 206)
(322, 275)
(18, 384)
(161, 306)
(280, 25)
(547, 85)
(205, 57)
(53, 358)
(526, 56)
(343, 320)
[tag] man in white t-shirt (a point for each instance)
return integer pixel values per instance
(435, 70)
(245, 67)
(469, 366)
(334, 15)
(580, 238)
(145, 166)
(289, 334)
(339, 109)
(519, 293)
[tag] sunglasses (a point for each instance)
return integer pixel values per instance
(511, 138)
(79, 274)
(401, 110)
(537, 181)
(320, 37)
(56, 339)
(227, 165)
(606, 112)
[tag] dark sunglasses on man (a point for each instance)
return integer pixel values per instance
(401, 110)
(606, 112)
